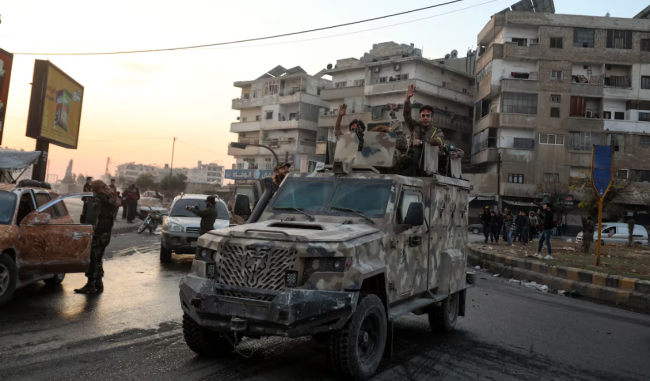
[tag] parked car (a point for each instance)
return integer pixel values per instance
(618, 233)
(150, 204)
(38, 238)
(180, 229)
(475, 228)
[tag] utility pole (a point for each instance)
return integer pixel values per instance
(171, 168)
(108, 163)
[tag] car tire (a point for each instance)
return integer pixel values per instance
(165, 254)
(55, 280)
(475, 231)
(357, 349)
(8, 278)
(205, 342)
(443, 318)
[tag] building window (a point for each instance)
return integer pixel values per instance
(551, 139)
(383, 79)
(258, 117)
(641, 176)
(607, 115)
(556, 98)
(645, 44)
(645, 82)
(520, 41)
(644, 117)
(617, 141)
(619, 115)
(619, 39)
(557, 75)
(523, 143)
(622, 174)
(556, 42)
(269, 115)
(339, 85)
(555, 112)
(359, 82)
(515, 178)
(244, 119)
(519, 103)
(552, 177)
(580, 141)
(583, 38)
(401, 77)
(293, 115)
(644, 141)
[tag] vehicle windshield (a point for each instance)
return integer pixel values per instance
(178, 210)
(305, 195)
(152, 202)
(369, 198)
(7, 207)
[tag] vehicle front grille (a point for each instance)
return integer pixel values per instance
(192, 230)
(254, 266)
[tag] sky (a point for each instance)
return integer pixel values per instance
(135, 104)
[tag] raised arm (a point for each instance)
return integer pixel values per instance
(337, 127)
(407, 107)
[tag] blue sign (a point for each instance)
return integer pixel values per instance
(601, 171)
(248, 174)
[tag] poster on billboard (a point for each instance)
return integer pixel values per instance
(55, 106)
(6, 60)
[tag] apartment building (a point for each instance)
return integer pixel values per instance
(131, 171)
(201, 174)
(549, 86)
(380, 78)
(279, 109)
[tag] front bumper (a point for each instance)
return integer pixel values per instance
(289, 313)
(180, 242)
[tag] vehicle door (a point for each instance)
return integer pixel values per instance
(640, 235)
(411, 248)
(608, 234)
(49, 242)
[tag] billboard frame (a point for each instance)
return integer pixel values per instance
(3, 113)
(37, 102)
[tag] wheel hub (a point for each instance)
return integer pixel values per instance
(4, 279)
(365, 337)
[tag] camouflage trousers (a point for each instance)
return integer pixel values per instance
(98, 246)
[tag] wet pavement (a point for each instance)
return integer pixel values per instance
(132, 331)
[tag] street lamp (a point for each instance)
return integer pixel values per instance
(244, 145)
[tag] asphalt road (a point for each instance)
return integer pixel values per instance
(132, 332)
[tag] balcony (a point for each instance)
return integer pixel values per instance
(421, 86)
(248, 151)
(244, 126)
(341, 93)
(619, 92)
(292, 146)
(486, 155)
(330, 120)
(268, 125)
(519, 190)
(627, 126)
(443, 121)
(285, 96)
(520, 85)
(517, 120)
(587, 90)
(490, 120)
(582, 124)
(494, 52)
(512, 50)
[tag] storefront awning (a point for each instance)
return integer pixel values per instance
(520, 203)
(13, 161)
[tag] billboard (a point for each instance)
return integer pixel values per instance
(6, 59)
(247, 174)
(55, 106)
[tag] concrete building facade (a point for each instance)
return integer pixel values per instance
(549, 86)
(381, 77)
(279, 109)
(211, 174)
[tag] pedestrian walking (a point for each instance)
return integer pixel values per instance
(532, 227)
(560, 228)
(525, 222)
(509, 227)
(486, 218)
(495, 224)
(132, 205)
(125, 202)
(102, 204)
(547, 223)
(118, 202)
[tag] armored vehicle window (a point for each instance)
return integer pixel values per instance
(307, 195)
(7, 207)
(368, 198)
(406, 199)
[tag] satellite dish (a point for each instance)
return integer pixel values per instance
(447, 56)
(454, 53)
(329, 66)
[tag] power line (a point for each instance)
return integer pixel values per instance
(207, 150)
(246, 40)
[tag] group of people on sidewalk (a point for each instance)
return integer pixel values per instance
(128, 200)
(523, 227)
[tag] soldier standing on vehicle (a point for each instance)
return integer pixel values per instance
(208, 215)
(102, 203)
(280, 171)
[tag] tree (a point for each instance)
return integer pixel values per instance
(145, 181)
(587, 234)
(614, 211)
(174, 184)
(554, 193)
(618, 192)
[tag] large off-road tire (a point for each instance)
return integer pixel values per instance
(205, 342)
(443, 318)
(8, 278)
(165, 254)
(357, 349)
(55, 280)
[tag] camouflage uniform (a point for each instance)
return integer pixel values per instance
(430, 134)
(208, 216)
(102, 225)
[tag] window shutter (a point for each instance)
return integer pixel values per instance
(610, 38)
(628, 39)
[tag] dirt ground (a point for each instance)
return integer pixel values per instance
(632, 262)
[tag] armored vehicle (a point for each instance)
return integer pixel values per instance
(338, 254)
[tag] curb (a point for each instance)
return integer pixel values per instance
(629, 292)
(124, 229)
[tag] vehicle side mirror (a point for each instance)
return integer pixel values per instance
(415, 214)
(35, 218)
(242, 205)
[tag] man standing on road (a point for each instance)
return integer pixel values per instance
(523, 228)
(547, 218)
(86, 189)
(125, 202)
(495, 224)
(134, 196)
(208, 215)
(532, 227)
(102, 203)
(486, 219)
(116, 198)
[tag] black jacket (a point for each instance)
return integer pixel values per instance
(103, 214)
(548, 220)
(486, 218)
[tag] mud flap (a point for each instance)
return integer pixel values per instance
(452, 269)
(462, 296)
(388, 351)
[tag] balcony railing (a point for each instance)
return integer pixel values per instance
(249, 141)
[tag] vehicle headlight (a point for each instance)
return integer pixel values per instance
(204, 254)
(332, 265)
(175, 227)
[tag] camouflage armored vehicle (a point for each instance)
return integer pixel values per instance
(338, 254)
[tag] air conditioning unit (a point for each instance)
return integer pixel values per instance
(589, 114)
(398, 67)
(376, 69)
